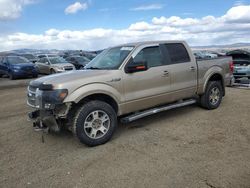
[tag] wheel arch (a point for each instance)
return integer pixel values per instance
(215, 77)
(101, 97)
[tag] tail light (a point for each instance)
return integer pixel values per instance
(231, 66)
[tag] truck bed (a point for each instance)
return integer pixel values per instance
(208, 66)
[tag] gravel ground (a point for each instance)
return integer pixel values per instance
(6, 83)
(186, 147)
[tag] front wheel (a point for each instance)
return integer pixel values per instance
(11, 76)
(95, 123)
(212, 97)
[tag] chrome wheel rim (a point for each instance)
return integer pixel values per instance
(214, 96)
(96, 124)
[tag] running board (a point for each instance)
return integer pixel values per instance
(149, 112)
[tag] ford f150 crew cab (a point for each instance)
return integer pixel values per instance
(126, 82)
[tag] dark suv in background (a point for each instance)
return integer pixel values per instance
(16, 67)
(78, 61)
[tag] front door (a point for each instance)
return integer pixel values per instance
(147, 88)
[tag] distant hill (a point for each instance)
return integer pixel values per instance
(55, 51)
(226, 46)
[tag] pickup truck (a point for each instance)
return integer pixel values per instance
(125, 83)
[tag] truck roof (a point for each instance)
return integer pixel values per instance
(150, 42)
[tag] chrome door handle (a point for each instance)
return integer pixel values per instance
(192, 68)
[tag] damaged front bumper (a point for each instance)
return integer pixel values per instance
(44, 120)
(49, 109)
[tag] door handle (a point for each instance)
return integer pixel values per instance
(192, 68)
(165, 73)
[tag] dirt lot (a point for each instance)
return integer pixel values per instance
(186, 147)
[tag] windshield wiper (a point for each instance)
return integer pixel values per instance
(92, 68)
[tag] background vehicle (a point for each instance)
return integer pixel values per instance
(78, 61)
(241, 69)
(15, 67)
(32, 58)
(51, 65)
(130, 82)
(205, 55)
(241, 61)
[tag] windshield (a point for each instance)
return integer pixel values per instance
(57, 60)
(17, 60)
(110, 59)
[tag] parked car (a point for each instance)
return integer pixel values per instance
(78, 61)
(129, 81)
(15, 67)
(32, 58)
(46, 55)
(51, 65)
(199, 55)
(241, 61)
(241, 69)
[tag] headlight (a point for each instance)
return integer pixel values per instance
(48, 99)
(54, 96)
(16, 68)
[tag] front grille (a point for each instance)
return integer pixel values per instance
(32, 88)
(27, 69)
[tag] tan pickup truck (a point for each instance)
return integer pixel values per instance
(126, 82)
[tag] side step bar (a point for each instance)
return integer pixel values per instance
(149, 112)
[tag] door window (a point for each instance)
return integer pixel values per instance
(177, 53)
(152, 55)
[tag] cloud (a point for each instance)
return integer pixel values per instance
(148, 7)
(12, 9)
(232, 27)
(238, 14)
(75, 7)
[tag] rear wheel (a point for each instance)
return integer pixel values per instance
(212, 97)
(52, 71)
(95, 123)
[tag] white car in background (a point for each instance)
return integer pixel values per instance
(51, 65)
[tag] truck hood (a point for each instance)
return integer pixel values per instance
(75, 79)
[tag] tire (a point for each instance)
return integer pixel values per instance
(11, 76)
(52, 71)
(94, 123)
(212, 97)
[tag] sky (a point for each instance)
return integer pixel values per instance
(98, 24)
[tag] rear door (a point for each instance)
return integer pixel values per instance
(182, 70)
(147, 88)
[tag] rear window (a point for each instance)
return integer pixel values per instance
(177, 53)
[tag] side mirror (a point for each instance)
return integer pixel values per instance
(138, 66)
(47, 63)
